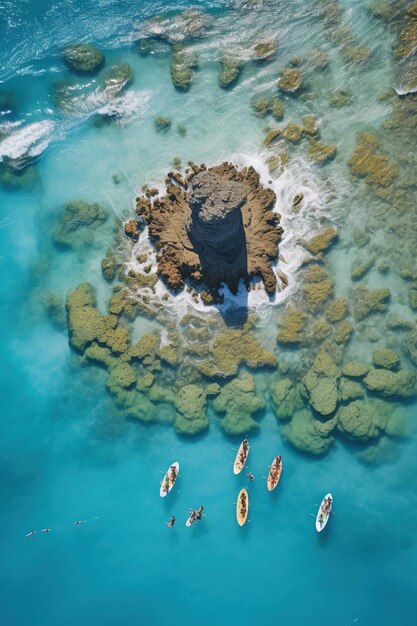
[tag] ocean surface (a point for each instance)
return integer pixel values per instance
(67, 453)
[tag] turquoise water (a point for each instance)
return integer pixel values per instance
(67, 454)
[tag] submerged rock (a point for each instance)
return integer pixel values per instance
(231, 68)
(308, 434)
(117, 77)
(191, 229)
(321, 152)
(290, 81)
(402, 383)
(239, 401)
(292, 327)
(337, 310)
(285, 397)
(183, 63)
(354, 369)
(87, 325)
(78, 221)
(191, 403)
(367, 301)
(265, 50)
(322, 241)
(83, 58)
(320, 384)
(366, 161)
(386, 358)
(360, 420)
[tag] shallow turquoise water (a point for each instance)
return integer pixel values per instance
(66, 455)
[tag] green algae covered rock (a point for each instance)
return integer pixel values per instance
(386, 358)
(277, 109)
(183, 63)
(322, 241)
(83, 58)
(162, 123)
(320, 152)
(308, 434)
(232, 348)
(136, 405)
(350, 390)
(99, 354)
(262, 106)
(146, 346)
(85, 323)
(271, 136)
(410, 345)
(291, 327)
(117, 77)
(398, 424)
(337, 310)
(354, 369)
(316, 294)
(343, 331)
(231, 68)
(290, 80)
(190, 403)
(265, 50)
(122, 376)
(285, 398)
(320, 384)
(110, 266)
(78, 221)
(366, 162)
(367, 301)
(402, 383)
(360, 420)
(239, 401)
(412, 298)
(292, 132)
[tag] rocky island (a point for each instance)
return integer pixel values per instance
(214, 226)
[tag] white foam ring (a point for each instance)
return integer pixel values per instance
(298, 177)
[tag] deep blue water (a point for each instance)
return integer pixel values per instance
(66, 455)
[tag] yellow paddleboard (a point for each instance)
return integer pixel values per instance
(241, 457)
(242, 507)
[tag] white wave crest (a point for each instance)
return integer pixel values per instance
(29, 140)
(127, 106)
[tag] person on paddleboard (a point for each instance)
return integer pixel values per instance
(171, 522)
(32, 532)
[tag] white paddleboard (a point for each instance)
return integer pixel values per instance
(169, 479)
(241, 458)
(324, 511)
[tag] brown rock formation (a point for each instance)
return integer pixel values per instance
(214, 226)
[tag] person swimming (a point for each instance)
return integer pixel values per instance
(199, 513)
(82, 521)
(45, 530)
(171, 522)
(250, 476)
